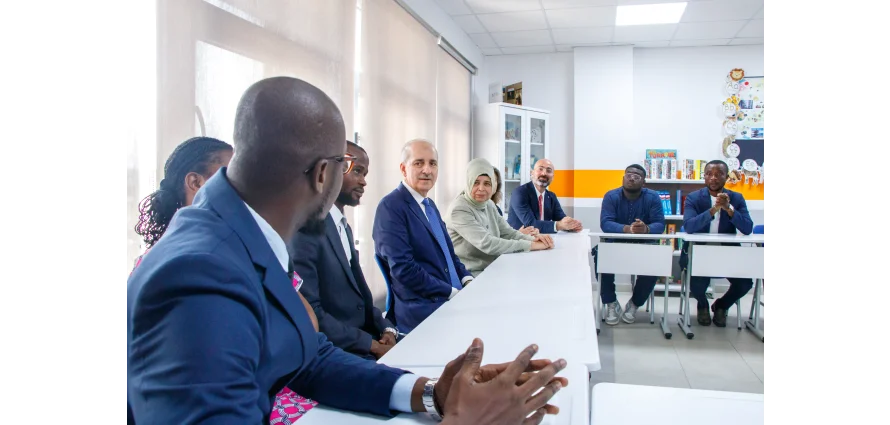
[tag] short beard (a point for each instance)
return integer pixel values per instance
(347, 199)
(541, 184)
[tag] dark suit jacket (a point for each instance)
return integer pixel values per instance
(697, 218)
(336, 289)
(215, 328)
(404, 239)
(524, 211)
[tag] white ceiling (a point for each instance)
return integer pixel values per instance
(505, 27)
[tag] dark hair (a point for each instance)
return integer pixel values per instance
(157, 209)
(638, 167)
(496, 196)
(356, 145)
(719, 162)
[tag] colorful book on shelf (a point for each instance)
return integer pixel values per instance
(687, 169)
(679, 206)
(661, 153)
(704, 163)
(672, 230)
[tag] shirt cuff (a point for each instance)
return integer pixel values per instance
(454, 292)
(400, 398)
(465, 280)
(555, 229)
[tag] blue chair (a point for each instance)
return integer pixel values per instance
(390, 313)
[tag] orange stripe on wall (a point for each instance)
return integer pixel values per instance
(595, 184)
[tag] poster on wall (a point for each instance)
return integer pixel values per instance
(751, 107)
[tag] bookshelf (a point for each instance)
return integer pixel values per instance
(673, 217)
(674, 181)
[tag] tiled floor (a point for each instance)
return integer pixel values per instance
(723, 359)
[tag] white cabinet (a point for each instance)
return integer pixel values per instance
(512, 138)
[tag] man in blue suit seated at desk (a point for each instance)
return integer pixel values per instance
(411, 237)
(629, 209)
(215, 326)
(716, 209)
(532, 205)
(333, 282)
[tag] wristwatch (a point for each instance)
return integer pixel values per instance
(392, 331)
(429, 399)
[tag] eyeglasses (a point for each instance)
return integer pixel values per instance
(633, 176)
(347, 161)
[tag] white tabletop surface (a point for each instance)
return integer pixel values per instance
(721, 237)
(615, 403)
(602, 235)
(573, 403)
(541, 297)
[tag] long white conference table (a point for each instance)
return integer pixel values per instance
(541, 297)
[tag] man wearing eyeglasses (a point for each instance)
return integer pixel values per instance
(411, 240)
(333, 282)
(532, 205)
(633, 209)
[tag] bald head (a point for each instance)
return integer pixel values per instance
(542, 173)
(288, 134)
(283, 126)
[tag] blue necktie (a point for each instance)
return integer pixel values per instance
(435, 223)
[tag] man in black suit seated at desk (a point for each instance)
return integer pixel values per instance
(715, 209)
(333, 282)
(630, 208)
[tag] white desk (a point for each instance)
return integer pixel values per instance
(614, 403)
(635, 259)
(541, 297)
(708, 260)
(573, 402)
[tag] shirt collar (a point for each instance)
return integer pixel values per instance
(337, 215)
(272, 237)
(417, 197)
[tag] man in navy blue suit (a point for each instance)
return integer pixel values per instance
(333, 282)
(532, 205)
(216, 329)
(716, 209)
(410, 236)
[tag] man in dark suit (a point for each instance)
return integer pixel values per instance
(333, 282)
(216, 331)
(411, 237)
(716, 209)
(528, 201)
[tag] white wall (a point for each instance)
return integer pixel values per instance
(604, 107)
(678, 94)
(547, 83)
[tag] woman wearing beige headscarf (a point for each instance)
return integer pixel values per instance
(478, 232)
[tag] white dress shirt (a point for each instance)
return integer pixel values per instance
(419, 199)
(543, 192)
(339, 221)
(400, 398)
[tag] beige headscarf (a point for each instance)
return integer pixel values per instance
(476, 168)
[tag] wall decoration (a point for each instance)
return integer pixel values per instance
(737, 74)
(743, 127)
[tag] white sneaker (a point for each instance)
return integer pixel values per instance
(613, 310)
(629, 311)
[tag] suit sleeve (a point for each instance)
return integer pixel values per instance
(306, 257)
(196, 345)
(558, 213)
(465, 224)
(391, 237)
(656, 214)
(525, 214)
(695, 221)
(344, 381)
(608, 216)
(741, 219)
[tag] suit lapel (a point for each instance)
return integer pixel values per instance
(534, 195)
(219, 195)
(412, 205)
(334, 239)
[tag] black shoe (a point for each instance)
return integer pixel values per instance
(719, 316)
(704, 315)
